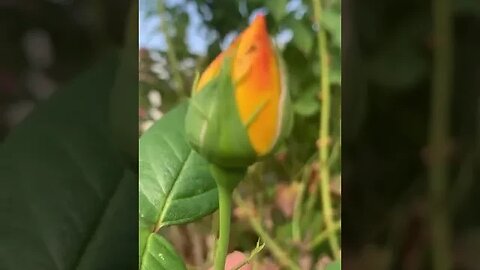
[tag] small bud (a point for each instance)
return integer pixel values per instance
(240, 107)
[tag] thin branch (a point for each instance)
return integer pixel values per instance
(297, 210)
(324, 132)
(320, 238)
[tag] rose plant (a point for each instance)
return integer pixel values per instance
(238, 113)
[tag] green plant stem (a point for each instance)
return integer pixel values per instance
(225, 212)
(324, 132)
(323, 236)
(171, 55)
(227, 180)
(439, 133)
(282, 257)
(297, 210)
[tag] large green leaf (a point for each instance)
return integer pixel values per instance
(115, 235)
(175, 183)
(160, 255)
(123, 110)
(63, 202)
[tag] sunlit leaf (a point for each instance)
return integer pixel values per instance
(160, 255)
(175, 183)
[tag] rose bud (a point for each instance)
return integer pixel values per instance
(240, 108)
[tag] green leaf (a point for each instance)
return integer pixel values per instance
(277, 7)
(122, 115)
(331, 20)
(175, 182)
(307, 104)
(335, 265)
(302, 36)
(175, 187)
(116, 231)
(67, 206)
(160, 255)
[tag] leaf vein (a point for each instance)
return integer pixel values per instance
(169, 197)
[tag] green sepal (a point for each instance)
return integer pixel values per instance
(213, 124)
(227, 178)
(195, 82)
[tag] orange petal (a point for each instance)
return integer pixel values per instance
(214, 68)
(257, 77)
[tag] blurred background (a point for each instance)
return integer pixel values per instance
(389, 49)
(64, 187)
(45, 43)
(280, 197)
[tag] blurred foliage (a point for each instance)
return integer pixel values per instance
(46, 43)
(64, 186)
(273, 186)
(388, 50)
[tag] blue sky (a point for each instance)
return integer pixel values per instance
(150, 36)
(198, 35)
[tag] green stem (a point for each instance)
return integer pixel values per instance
(324, 132)
(225, 206)
(227, 180)
(323, 236)
(297, 211)
(439, 127)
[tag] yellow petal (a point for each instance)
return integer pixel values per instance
(257, 78)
